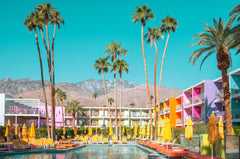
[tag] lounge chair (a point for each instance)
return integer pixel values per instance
(84, 140)
(18, 146)
(105, 140)
(114, 139)
(39, 143)
(32, 141)
(94, 140)
(25, 142)
(124, 140)
(159, 141)
(129, 137)
(100, 140)
(63, 137)
(49, 143)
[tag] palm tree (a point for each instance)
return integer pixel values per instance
(121, 66)
(143, 14)
(44, 12)
(132, 104)
(115, 50)
(56, 20)
(95, 95)
(32, 23)
(60, 97)
(219, 39)
(102, 65)
(110, 100)
(168, 24)
(153, 34)
(73, 107)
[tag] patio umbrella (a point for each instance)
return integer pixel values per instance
(64, 130)
(212, 130)
(221, 135)
(167, 133)
(140, 132)
(96, 129)
(89, 130)
(158, 130)
(189, 131)
(84, 130)
(75, 131)
(16, 130)
(148, 130)
(24, 131)
(143, 130)
(110, 130)
(163, 128)
(32, 131)
(8, 130)
(123, 129)
(135, 130)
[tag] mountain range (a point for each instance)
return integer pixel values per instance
(83, 91)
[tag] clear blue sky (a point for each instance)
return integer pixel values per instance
(91, 25)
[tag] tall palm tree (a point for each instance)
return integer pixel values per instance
(115, 50)
(73, 107)
(143, 14)
(110, 100)
(44, 12)
(132, 104)
(121, 66)
(219, 40)
(168, 24)
(61, 96)
(95, 95)
(32, 23)
(102, 65)
(235, 12)
(56, 20)
(152, 34)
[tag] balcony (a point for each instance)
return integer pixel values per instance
(235, 91)
(236, 115)
(23, 111)
(178, 107)
(178, 121)
(198, 98)
(187, 101)
(219, 96)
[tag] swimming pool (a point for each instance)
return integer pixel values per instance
(91, 151)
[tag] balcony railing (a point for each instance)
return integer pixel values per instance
(178, 121)
(198, 98)
(236, 114)
(22, 111)
(235, 89)
(179, 106)
(187, 101)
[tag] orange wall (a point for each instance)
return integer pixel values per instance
(173, 102)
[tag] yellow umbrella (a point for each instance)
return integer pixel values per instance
(32, 131)
(24, 131)
(167, 133)
(16, 130)
(220, 127)
(158, 128)
(163, 128)
(212, 130)
(8, 130)
(135, 130)
(123, 130)
(75, 131)
(189, 129)
(148, 130)
(143, 130)
(64, 130)
(84, 130)
(89, 130)
(96, 130)
(140, 132)
(110, 130)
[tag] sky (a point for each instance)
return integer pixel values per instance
(91, 25)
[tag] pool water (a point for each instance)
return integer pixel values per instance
(94, 152)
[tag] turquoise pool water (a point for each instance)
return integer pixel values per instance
(93, 152)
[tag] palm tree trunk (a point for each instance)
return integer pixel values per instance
(149, 99)
(47, 118)
(155, 90)
(51, 90)
(63, 114)
(73, 121)
(42, 77)
(53, 68)
(120, 122)
(105, 88)
(115, 92)
(160, 81)
(225, 83)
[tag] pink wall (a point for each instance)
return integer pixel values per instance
(187, 98)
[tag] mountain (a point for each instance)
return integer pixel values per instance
(96, 86)
(82, 91)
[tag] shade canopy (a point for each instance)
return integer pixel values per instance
(24, 131)
(32, 131)
(220, 127)
(89, 130)
(148, 130)
(189, 129)
(212, 129)
(8, 129)
(167, 133)
(110, 130)
(135, 130)
(163, 128)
